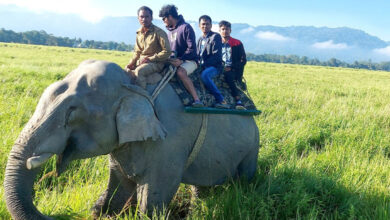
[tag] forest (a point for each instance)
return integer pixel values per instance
(43, 38)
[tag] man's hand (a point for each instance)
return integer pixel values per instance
(176, 62)
(227, 69)
(130, 66)
(145, 60)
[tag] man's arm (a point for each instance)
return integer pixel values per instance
(136, 55)
(191, 45)
(242, 62)
(165, 52)
(242, 55)
(238, 57)
(198, 48)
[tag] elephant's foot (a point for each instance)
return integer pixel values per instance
(99, 209)
(109, 205)
(248, 166)
(119, 196)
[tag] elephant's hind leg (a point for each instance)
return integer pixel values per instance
(247, 167)
(119, 195)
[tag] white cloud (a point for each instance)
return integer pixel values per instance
(85, 8)
(330, 45)
(268, 35)
(247, 30)
(383, 51)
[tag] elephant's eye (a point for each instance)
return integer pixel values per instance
(70, 116)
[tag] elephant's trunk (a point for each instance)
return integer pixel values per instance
(18, 184)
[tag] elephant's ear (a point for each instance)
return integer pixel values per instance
(137, 121)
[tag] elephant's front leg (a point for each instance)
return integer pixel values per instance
(155, 192)
(120, 193)
(155, 198)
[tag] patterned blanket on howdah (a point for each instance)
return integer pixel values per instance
(205, 96)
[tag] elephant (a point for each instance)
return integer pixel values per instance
(97, 110)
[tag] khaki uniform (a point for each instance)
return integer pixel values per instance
(155, 45)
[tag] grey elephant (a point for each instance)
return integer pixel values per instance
(95, 110)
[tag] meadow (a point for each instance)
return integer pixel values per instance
(324, 137)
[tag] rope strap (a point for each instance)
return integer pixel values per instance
(164, 81)
(199, 140)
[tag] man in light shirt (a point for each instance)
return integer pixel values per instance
(151, 50)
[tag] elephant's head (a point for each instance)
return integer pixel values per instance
(92, 111)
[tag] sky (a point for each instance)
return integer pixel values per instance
(370, 16)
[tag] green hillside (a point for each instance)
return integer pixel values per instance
(324, 135)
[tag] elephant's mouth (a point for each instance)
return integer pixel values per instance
(63, 158)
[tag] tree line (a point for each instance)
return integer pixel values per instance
(43, 38)
(333, 62)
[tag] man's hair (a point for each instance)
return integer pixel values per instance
(225, 23)
(205, 17)
(167, 10)
(145, 8)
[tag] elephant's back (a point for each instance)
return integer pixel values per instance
(229, 138)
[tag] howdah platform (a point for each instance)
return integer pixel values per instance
(209, 110)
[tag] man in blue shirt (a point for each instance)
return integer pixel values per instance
(210, 57)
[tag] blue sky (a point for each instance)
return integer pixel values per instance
(370, 16)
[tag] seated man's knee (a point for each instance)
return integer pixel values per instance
(144, 70)
(139, 71)
(181, 72)
(140, 76)
(205, 76)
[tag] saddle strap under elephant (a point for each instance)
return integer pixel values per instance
(199, 140)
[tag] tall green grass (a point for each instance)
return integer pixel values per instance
(324, 136)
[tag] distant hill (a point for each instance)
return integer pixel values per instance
(322, 43)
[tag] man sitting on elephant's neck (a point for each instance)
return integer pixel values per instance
(182, 40)
(151, 49)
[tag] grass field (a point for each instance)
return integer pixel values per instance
(324, 136)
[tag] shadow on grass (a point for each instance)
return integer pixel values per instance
(290, 193)
(67, 216)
